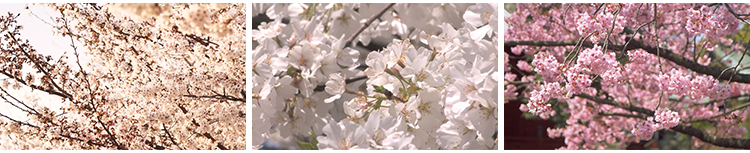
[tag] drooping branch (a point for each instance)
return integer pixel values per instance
(735, 14)
(713, 69)
(27, 108)
(17, 121)
(689, 130)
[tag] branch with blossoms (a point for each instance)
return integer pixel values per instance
(632, 74)
(669, 55)
(305, 70)
(149, 93)
(689, 130)
(712, 69)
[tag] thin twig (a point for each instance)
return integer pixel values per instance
(17, 121)
(367, 24)
(565, 13)
(735, 14)
(722, 114)
(171, 138)
(347, 81)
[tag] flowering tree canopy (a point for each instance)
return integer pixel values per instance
(163, 76)
(617, 73)
(432, 86)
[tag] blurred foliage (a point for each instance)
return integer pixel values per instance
(510, 7)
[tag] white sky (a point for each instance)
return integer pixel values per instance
(40, 37)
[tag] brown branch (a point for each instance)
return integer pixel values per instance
(713, 69)
(205, 134)
(171, 138)
(17, 121)
(722, 114)
(35, 62)
(85, 141)
(19, 101)
(50, 91)
(367, 24)
(735, 14)
(623, 115)
(689, 130)
(111, 136)
(204, 42)
(217, 96)
(347, 81)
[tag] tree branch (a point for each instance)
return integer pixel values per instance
(689, 130)
(349, 80)
(713, 69)
(171, 138)
(17, 121)
(367, 24)
(33, 60)
(735, 14)
(722, 114)
(28, 109)
(220, 97)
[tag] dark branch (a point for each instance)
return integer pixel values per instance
(689, 130)
(714, 69)
(367, 24)
(171, 138)
(220, 97)
(350, 80)
(17, 121)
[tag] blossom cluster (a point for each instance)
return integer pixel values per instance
(676, 82)
(148, 86)
(538, 102)
(700, 21)
(433, 87)
(660, 57)
(663, 118)
(599, 25)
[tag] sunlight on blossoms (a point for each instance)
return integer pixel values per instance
(137, 77)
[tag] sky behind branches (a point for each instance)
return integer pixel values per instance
(37, 28)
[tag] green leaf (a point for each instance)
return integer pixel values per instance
(379, 89)
(314, 140)
(304, 145)
(377, 103)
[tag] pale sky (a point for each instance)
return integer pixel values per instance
(40, 36)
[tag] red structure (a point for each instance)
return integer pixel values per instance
(524, 134)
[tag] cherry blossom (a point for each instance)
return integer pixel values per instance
(436, 69)
(612, 74)
(162, 76)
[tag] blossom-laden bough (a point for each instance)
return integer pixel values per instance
(614, 74)
(162, 76)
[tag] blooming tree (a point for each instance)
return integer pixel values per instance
(617, 73)
(433, 86)
(163, 76)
